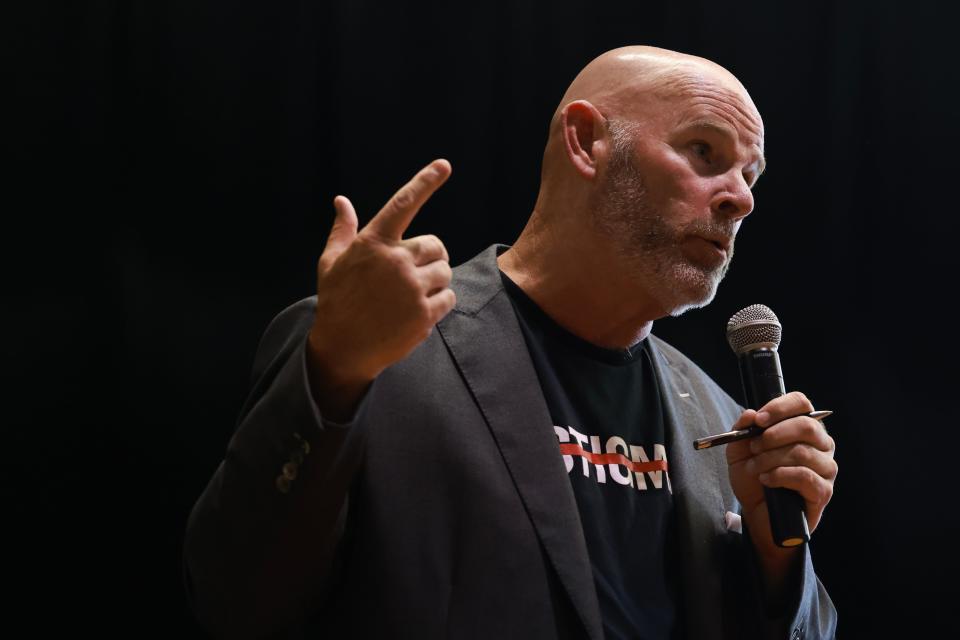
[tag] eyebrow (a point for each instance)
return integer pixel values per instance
(726, 131)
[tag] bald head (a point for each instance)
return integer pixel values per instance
(647, 174)
(637, 86)
(616, 80)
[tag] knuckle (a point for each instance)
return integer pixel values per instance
(802, 455)
(403, 199)
(419, 185)
(446, 271)
(426, 177)
(420, 249)
(810, 429)
(826, 492)
(405, 281)
(411, 280)
(413, 247)
(399, 258)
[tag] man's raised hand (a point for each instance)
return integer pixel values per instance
(378, 295)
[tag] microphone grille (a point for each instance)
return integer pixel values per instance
(753, 326)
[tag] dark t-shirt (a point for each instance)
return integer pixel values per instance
(607, 414)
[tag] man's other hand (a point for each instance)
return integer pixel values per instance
(378, 295)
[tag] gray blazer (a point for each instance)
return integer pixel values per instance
(444, 510)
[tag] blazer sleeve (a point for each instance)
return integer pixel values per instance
(813, 616)
(807, 613)
(261, 540)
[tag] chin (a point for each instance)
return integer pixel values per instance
(692, 289)
(678, 308)
(681, 309)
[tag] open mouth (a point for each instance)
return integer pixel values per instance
(719, 244)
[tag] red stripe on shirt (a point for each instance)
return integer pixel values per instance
(612, 458)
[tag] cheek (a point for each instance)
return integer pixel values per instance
(673, 179)
(672, 186)
(684, 197)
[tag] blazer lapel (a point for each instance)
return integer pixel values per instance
(697, 499)
(485, 340)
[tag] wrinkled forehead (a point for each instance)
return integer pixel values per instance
(698, 99)
(682, 94)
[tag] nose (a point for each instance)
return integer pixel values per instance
(734, 199)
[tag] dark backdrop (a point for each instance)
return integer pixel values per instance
(173, 168)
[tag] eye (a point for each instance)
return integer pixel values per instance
(701, 150)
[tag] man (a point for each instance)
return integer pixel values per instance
(389, 479)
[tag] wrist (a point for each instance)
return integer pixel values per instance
(778, 566)
(336, 387)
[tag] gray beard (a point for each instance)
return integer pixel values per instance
(645, 242)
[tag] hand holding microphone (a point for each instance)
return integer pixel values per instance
(785, 474)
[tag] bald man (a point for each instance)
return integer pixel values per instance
(503, 450)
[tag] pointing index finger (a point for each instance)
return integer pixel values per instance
(394, 218)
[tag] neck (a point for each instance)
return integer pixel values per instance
(578, 284)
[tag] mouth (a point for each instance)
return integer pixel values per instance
(707, 251)
(721, 244)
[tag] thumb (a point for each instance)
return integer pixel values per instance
(343, 232)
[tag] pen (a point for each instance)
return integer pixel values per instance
(740, 434)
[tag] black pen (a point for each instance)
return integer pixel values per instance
(751, 432)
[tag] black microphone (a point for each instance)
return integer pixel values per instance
(754, 335)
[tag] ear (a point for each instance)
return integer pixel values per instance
(584, 132)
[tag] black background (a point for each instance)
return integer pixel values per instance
(173, 165)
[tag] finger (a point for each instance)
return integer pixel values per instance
(425, 249)
(745, 420)
(814, 489)
(801, 455)
(786, 406)
(434, 276)
(792, 431)
(343, 232)
(440, 304)
(396, 215)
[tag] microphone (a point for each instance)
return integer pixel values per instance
(754, 335)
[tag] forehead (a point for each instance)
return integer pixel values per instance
(694, 100)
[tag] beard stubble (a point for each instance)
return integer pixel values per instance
(645, 242)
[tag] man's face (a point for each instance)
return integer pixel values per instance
(675, 191)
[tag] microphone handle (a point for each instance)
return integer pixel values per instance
(762, 382)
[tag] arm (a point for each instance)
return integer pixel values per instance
(261, 541)
(795, 453)
(258, 548)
